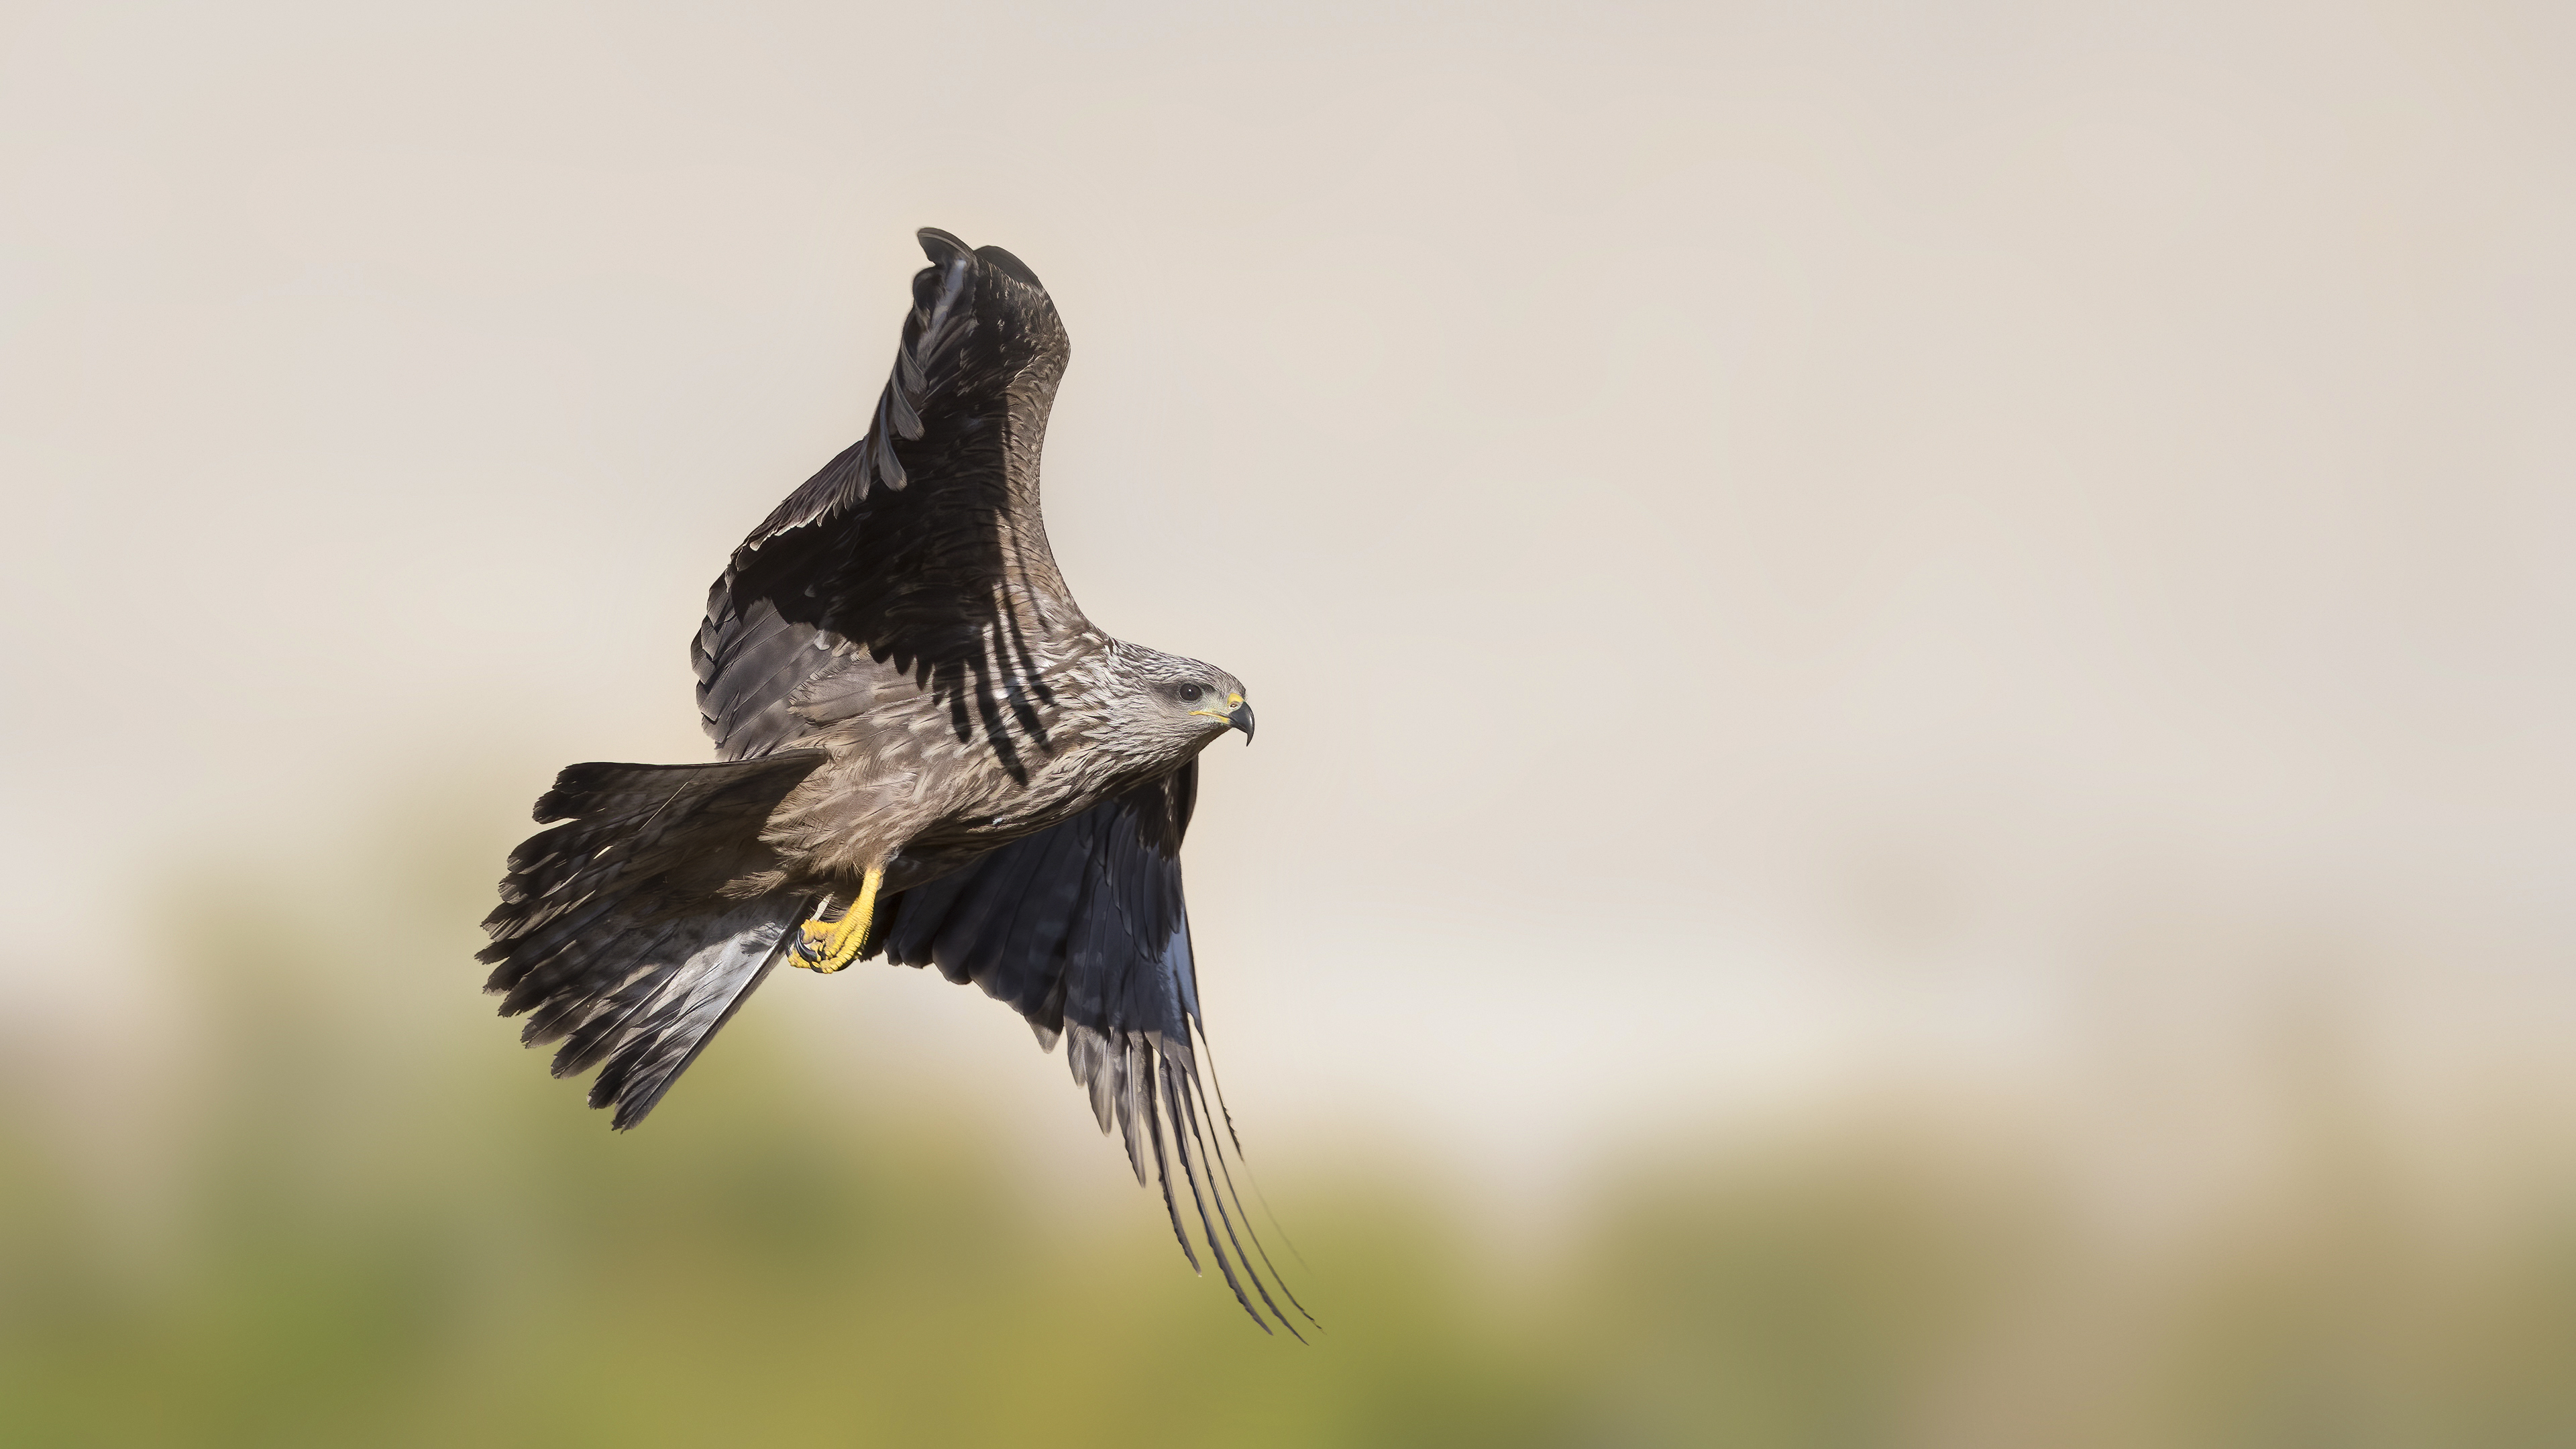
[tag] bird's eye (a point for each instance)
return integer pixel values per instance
(1190, 693)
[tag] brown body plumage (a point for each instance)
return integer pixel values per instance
(901, 790)
(928, 751)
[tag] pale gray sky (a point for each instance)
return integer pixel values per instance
(1774, 545)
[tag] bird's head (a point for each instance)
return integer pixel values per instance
(1183, 703)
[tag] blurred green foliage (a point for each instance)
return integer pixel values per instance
(368, 1229)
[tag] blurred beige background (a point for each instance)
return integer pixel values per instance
(1992, 565)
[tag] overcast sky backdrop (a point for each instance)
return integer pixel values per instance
(1782, 551)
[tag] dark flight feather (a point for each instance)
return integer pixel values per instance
(1084, 930)
(916, 559)
(920, 547)
(605, 936)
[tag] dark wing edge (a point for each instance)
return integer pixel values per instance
(960, 419)
(927, 365)
(1082, 928)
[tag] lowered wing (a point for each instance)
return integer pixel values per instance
(1082, 928)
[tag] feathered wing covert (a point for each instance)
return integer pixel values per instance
(1083, 930)
(920, 550)
(918, 555)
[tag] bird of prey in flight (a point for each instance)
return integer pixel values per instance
(928, 753)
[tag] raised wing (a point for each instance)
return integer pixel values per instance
(919, 550)
(1082, 928)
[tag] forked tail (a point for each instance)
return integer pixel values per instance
(609, 933)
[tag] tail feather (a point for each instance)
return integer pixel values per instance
(607, 937)
(673, 1023)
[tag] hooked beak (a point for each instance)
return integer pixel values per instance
(1238, 716)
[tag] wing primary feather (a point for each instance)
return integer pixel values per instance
(898, 409)
(899, 549)
(1217, 1154)
(1209, 1154)
(1225, 1113)
(1083, 928)
(1174, 1090)
(1129, 1090)
(1163, 1175)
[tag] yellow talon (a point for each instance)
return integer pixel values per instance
(827, 946)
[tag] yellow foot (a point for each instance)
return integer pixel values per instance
(827, 946)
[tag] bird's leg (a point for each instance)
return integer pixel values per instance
(830, 945)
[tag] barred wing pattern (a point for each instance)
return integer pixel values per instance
(920, 552)
(1083, 930)
(920, 549)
